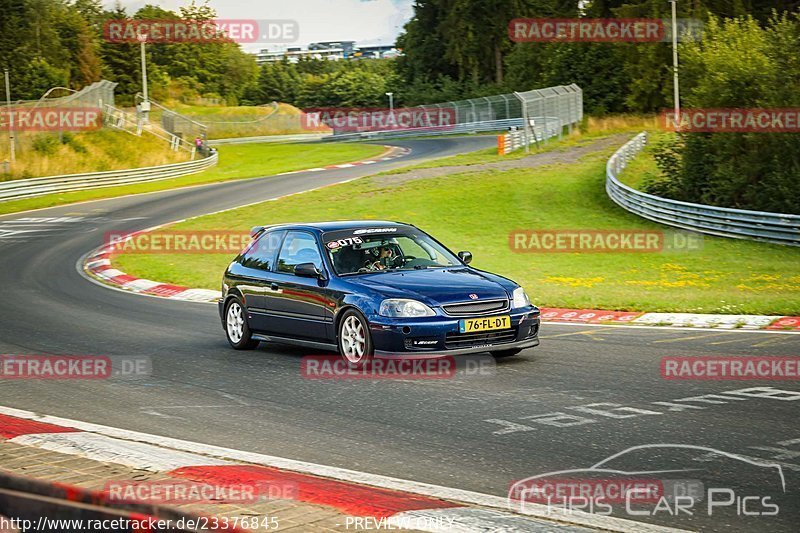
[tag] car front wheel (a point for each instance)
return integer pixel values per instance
(236, 329)
(355, 343)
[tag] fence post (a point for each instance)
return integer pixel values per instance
(525, 124)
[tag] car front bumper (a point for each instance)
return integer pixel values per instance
(440, 335)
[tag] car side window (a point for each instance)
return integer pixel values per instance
(261, 253)
(298, 247)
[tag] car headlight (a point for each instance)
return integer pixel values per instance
(520, 299)
(404, 308)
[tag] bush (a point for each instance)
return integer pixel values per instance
(45, 144)
(738, 64)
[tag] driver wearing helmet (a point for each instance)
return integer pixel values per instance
(383, 258)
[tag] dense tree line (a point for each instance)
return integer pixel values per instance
(747, 58)
(738, 64)
(461, 48)
(323, 83)
(50, 43)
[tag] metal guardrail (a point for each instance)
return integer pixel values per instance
(458, 129)
(27, 188)
(298, 137)
(122, 120)
(725, 222)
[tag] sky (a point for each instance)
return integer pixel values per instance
(363, 21)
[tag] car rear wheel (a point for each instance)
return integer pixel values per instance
(500, 354)
(355, 343)
(236, 329)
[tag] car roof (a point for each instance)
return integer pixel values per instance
(339, 225)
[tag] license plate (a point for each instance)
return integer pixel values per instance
(487, 323)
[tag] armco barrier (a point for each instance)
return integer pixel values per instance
(17, 189)
(736, 223)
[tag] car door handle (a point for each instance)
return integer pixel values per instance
(273, 286)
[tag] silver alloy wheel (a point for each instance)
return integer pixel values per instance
(354, 340)
(235, 322)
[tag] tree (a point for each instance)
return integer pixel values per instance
(739, 64)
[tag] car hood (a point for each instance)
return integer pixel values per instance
(436, 286)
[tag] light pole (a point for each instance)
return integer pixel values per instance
(145, 105)
(676, 96)
(13, 157)
(391, 102)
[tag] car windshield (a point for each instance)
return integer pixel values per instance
(359, 252)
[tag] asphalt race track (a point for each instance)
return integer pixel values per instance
(475, 432)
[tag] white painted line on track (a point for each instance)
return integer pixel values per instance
(170, 446)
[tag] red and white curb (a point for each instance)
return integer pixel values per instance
(99, 265)
(391, 152)
(399, 502)
(689, 320)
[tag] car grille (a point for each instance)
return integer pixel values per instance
(476, 308)
(479, 338)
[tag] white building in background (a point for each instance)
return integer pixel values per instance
(330, 50)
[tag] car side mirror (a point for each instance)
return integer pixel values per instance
(466, 257)
(307, 270)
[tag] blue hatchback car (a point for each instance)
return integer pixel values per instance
(370, 288)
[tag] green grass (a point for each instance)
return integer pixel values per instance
(643, 168)
(476, 211)
(235, 162)
(48, 154)
(489, 155)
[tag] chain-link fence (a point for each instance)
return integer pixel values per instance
(553, 107)
(95, 95)
(181, 126)
(549, 109)
(219, 122)
(60, 110)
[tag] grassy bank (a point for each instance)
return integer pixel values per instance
(235, 162)
(476, 210)
(48, 154)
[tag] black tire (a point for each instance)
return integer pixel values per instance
(501, 354)
(347, 339)
(239, 338)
